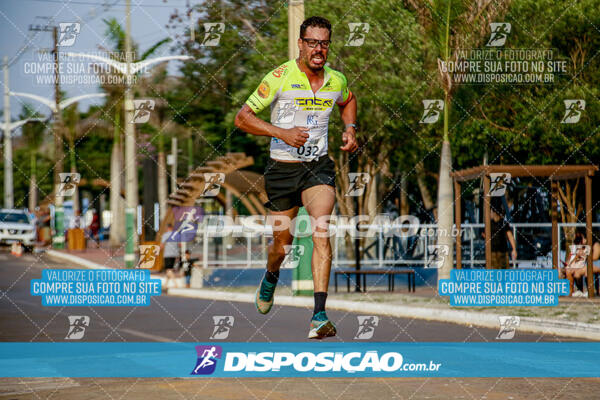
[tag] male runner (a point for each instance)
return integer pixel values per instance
(301, 94)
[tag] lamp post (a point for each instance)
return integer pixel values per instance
(59, 238)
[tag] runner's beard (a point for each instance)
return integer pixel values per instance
(315, 67)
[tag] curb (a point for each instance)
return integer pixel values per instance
(534, 325)
(80, 261)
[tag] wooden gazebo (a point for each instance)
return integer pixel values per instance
(554, 173)
(247, 186)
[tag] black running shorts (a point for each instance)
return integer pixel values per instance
(285, 182)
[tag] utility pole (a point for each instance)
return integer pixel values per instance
(302, 282)
(130, 164)
(295, 18)
(8, 175)
(59, 238)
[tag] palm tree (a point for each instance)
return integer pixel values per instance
(452, 24)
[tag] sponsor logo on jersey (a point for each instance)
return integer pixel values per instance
(279, 71)
(264, 89)
(310, 103)
(297, 86)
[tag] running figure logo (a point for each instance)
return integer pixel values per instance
(292, 255)
(148, 254)
(223, 324)
(142, 109)
(437, 255)
(186, 223)
(366, 326)
(68, 33)
(500, 31)
(286, 112)
(432, 109)
(358, 182)
(358, 33)
(77, 325)
(508, 327)
(498, 183)
(212, 183)
(207, 359)
(573, 110)
(212, 33)
(68, 183)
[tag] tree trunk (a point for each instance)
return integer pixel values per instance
(569, 212)
(76, 211)
(445, 210)
(345, 203)
(75, 199)
(404, 206)
(163, 191)
(117, 204)
(162, 184)
(425, 194)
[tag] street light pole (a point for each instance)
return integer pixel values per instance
(8, 173)
(8, 127)
(57, 106)
(130, 164)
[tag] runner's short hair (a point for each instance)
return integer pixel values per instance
(315, 21)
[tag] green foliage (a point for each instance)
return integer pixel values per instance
(523, 121)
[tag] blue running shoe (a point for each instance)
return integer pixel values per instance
(264, 296)
(321, 327)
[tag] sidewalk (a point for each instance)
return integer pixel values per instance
(102, 257)
(96, 257)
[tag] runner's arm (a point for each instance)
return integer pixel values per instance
(247, 121)
(262, 97)
(347, 104)
(348, 113)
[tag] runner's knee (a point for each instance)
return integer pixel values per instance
(277, 250)
(321, 243)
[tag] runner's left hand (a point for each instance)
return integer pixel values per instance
(349, 139)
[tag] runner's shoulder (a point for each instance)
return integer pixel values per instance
(337, 77)
(281, 71)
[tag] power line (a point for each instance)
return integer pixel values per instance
(29, 42)
(116, 4)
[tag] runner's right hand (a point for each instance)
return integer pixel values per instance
(295, 136)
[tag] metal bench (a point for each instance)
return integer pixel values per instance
(391, 274)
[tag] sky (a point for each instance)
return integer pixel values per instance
(148, 25)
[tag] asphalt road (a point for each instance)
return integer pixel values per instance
(169, 318)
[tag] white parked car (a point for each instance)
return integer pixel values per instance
(17, 226)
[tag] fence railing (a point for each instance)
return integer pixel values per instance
(407, 244)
